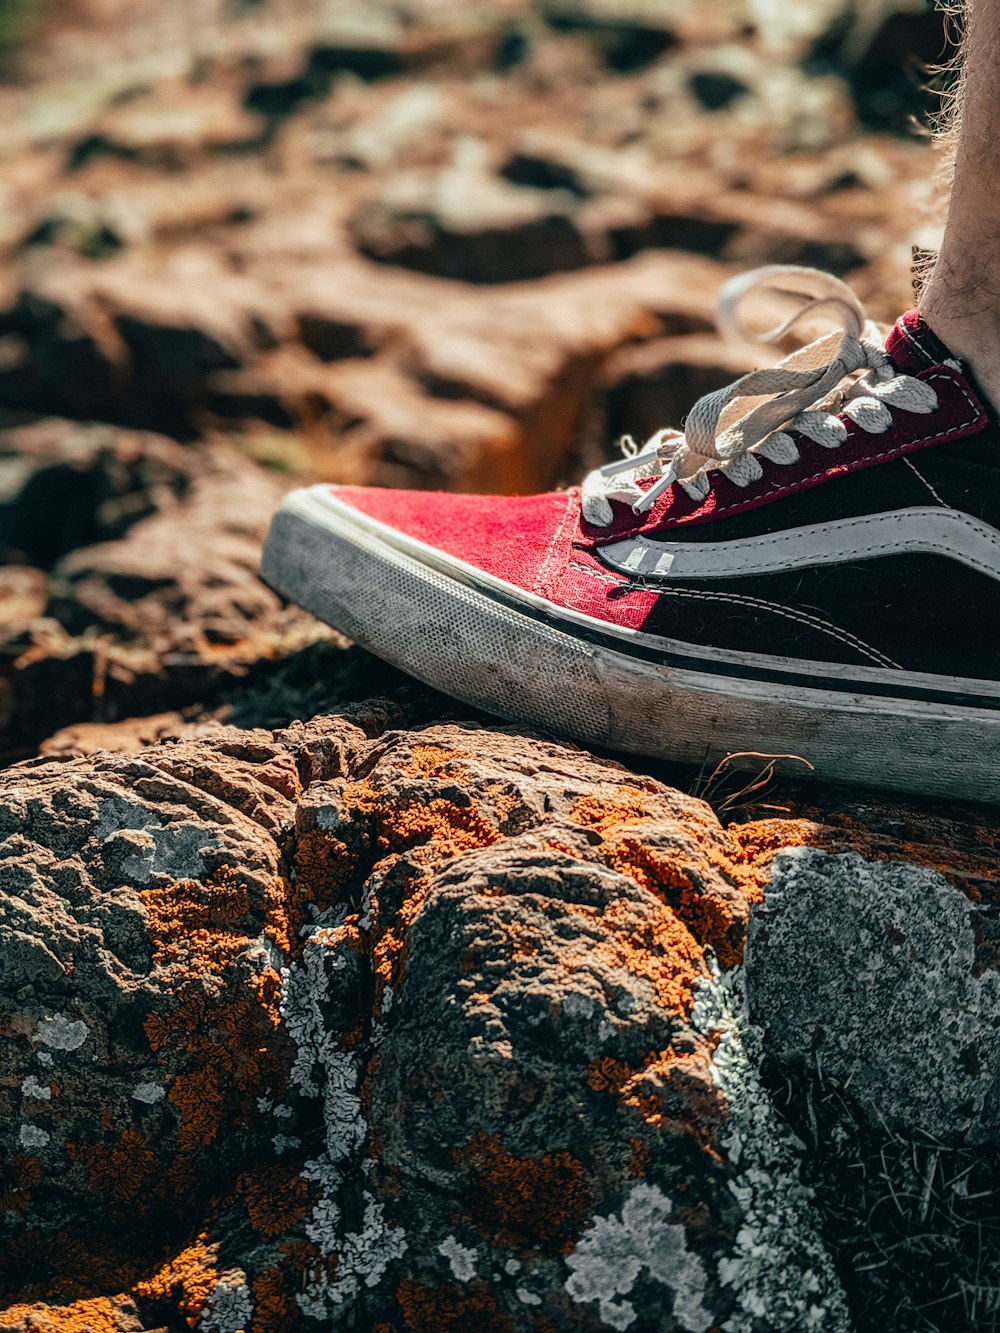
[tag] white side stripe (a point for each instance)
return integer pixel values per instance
(920, 530)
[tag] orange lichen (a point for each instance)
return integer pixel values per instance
(61, 1267)
(284, 916)
(182, 913)
(637, 1163)
(606, 1074)
(607, 812)
(300, 1256)
(660, 949)
(623, 1082)
(518, 1201)
(970, 867)
(682, 877)
(524, 942)
(323, 866)
(119, 1173)
(440, 1309)
(185, 1282)
(429, 833)
(98, 1315)
(274, 1307)
(673, 1092)
(714, 918)
(276, 1198)
(402, 822)
(25, 1173)
(229, 1034)
(198, 1097)
(428, 761)
(451, 829)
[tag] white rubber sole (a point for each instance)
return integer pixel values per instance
(530, 661)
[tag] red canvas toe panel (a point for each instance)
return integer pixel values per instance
(586, 585)
(524, 540)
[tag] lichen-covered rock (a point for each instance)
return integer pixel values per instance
(843, 948)
(413, 1030)
(349, 1026)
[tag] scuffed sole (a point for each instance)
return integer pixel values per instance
(435, 624)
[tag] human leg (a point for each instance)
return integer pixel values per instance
(961, 302)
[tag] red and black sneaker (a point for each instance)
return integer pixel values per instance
(812, 568)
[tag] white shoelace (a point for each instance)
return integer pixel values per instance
(733, 429)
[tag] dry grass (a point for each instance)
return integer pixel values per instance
(914, 1224)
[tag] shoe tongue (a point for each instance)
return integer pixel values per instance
(912, 346)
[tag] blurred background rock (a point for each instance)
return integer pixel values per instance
(462, 244)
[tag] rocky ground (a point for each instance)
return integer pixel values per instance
(323, 1002)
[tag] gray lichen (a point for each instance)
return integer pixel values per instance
(616, 1251)
(779, 1269)
(322, 1070)
(866, 973)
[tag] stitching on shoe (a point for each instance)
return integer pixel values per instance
(800, 482)
(542, 584)
(915, 342)
(814, 622)
(917, 473)
(605, 577)
(803, 617)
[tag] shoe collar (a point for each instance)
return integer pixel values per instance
(913, 346)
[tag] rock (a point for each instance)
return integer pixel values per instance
(170, 612)
(104, 1065)
(628, 37)
(502, 897)
(436, 386)
(183, 273)
(927, 1196)
(170, 127)
(126, 737)
(133, 342)
(421, 1026)
(467, 225)
(370, 422)
(56, 361)
(64, 485)
(180, 578)
(820, 985)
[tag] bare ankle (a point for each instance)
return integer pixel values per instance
(970, 329)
